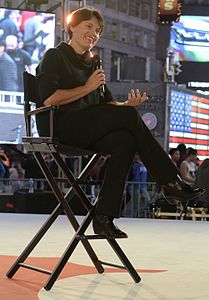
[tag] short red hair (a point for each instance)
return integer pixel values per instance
(82, 14)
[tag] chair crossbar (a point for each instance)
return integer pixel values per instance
(47, 148)
(73, 182)
(85, 181)
(112, 265)
(30, 267)
(93, 237)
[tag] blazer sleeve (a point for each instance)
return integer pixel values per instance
(48, 74)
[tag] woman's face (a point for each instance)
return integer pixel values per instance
(85, 35)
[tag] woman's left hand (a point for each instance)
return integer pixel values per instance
(135, 98)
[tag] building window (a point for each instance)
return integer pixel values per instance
(152, 40)
(146, 11)
(123, 6)
(145, 39)
(100, 2)
(137, 38)
(108, 29)
(135, 8)
(118, 66)
(124, 33)
(114, 31)
(136, 68)
(111, 4)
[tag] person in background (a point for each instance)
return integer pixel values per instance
(188, 167)
(2, 12)
(8, 71)
(183, 153)
(45, 37)
(202, 180)
(25, 16)
(17, 173)
(2, 174)
(8, 23)
(139, 187)
(31, 167)
(16, 170)
(175, 155)
(20, 57)
(197, 162)
(32, 28)
(2, 169)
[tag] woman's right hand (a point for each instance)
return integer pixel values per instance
(95, 80)
(65, 96)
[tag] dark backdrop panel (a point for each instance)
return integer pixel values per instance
(195, 10)
(193, 71)
(41, 202)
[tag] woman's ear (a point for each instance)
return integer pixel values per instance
(71, 28)
(70, 32)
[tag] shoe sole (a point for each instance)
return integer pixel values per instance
(100, 231)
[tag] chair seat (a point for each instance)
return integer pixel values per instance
(73, 151)
(49, 144)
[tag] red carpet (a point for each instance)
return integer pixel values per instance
(26, 284)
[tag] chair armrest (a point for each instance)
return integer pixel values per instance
(50, 109)
(42, 109)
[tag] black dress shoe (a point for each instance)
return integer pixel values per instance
(104, 225)
(178, 190)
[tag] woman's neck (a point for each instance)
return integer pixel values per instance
(76, 48)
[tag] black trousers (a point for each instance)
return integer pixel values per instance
(119, 131)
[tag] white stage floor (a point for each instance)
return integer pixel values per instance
(173, 257)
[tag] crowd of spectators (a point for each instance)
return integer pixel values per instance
(15, 167)
(21, 166)
(193, 172)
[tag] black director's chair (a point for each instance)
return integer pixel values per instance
(41, 145)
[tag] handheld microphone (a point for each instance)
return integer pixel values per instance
(97, 63)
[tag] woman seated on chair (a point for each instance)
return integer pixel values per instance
(88, 117)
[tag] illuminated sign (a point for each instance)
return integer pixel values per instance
(168, 7)
(169, 11)
(189, 122)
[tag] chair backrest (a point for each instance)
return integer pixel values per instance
(44, 116)
(30, 88)
(30, 95)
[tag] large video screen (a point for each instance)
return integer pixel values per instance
(24, 38)
(190, 38)
(189, 121)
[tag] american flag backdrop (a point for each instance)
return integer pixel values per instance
(189, 122)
